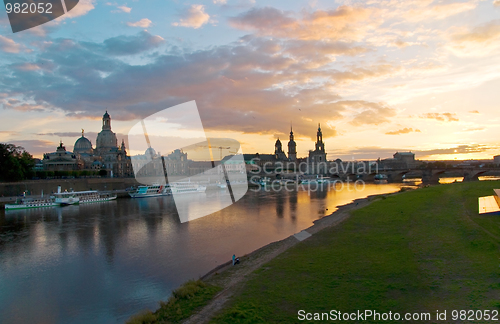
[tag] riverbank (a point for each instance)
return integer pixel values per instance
(416, 252)
(229, 279)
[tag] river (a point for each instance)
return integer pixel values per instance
(101, 263)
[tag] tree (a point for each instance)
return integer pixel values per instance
(15, 163)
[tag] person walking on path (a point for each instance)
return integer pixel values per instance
(234, 258)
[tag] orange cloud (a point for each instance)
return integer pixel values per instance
(478, 41)
(403, 131)
(441, 117)
(343, 23)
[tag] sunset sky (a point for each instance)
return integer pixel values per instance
(380, 76)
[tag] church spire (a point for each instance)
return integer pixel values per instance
(292, 146)
(320, 146)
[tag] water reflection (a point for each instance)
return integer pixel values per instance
(100, 263)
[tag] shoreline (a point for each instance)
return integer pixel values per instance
(317, 225)
(232, 278)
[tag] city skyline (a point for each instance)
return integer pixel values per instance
(380, 77)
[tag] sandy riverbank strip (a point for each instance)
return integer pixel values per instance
(232, 278)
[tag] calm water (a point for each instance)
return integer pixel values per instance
(101, 263)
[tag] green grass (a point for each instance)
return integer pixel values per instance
(184, 301)
(419, 251)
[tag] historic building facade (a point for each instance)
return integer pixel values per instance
(107, 155)
(61, 160)
(152, 164)
(316, 160)
(319, 154)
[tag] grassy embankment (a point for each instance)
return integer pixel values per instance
(424, 250)
(420, 251)
(183, 302)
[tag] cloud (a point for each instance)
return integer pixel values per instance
(480, 34)
(356, 73)
(36, 147)
(440, 116)
(343, 23)
(193, 17)
(63, 134)
(25, 107)
(243, 87)
(474, 129)
(403, 131)
(9, 46)
(125, 9)
(478, 41)
(402, 44)
(374, 152)
(430, 10)
(143, 23)
(474, 111)
(129, 45)
(219, 1)
(366, 152)
(460, 149)
(83, 7)
(496, 3)
(367, 113)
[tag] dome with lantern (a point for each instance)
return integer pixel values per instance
(106, 139)
(83, 145)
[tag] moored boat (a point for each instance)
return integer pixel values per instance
(26, 203)
(81, 197)
(153, 190)
(186, 187)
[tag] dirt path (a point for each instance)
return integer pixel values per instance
(232, 278)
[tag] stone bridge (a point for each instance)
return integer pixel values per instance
(428, 176)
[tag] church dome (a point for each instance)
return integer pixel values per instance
(82, 145)
(150, 152)
(106, 139)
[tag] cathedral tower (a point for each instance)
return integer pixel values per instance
(320, 146)
(317, 158)
(292, 147)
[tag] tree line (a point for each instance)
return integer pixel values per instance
(15, 163)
